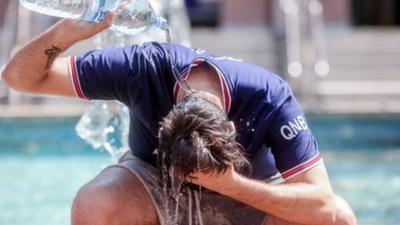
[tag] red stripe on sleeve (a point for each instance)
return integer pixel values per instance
(75, 78)
(302, 167)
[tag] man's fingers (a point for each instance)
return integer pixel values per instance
(192, 178)
(109, 20)
(80, 30)
(106, 23)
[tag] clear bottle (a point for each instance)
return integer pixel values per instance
(136, 16)
(88, 10)
(132, 16)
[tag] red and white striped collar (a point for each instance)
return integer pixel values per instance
(226, 94)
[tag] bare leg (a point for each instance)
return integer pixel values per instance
(344, 215)
(115, 196)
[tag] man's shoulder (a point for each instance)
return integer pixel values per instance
(250, 76)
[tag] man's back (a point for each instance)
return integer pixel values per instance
(254, 98)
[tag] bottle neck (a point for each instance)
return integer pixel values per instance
(161, 23)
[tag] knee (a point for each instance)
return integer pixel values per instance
(344, 213)
(113, 197)
(94, 204)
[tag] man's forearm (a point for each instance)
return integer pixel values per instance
(296, 202)
(304, 199)
(31, 64)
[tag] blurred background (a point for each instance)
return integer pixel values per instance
(342, 58)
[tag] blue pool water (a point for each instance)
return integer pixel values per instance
(43, 163)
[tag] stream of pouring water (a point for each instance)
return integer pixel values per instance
(171, 192)
(182, 82)
(173, 183)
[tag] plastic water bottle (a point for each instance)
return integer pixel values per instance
(132, 16)
(137, 16)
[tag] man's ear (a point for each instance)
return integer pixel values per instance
(232, 127)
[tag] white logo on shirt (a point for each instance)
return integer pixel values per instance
(290, 130)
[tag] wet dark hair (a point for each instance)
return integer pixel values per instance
(196, 135)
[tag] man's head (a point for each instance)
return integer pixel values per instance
(197, 135)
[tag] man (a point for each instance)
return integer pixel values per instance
(232, 100)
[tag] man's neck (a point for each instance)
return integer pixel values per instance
(205, 80)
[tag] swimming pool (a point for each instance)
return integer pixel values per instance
(43, 163)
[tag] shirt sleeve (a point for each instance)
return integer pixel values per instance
(294, 147)
(110, 74)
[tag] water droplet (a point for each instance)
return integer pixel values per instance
(247, 123)
(252, 130)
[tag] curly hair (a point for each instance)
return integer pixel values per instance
(196, 135)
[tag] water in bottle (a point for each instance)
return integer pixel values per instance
(136, 16)
(132, 16)
(88, 10)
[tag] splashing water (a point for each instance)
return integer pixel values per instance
(172, 187)
(197, 197)
(198, 169)
(164, 183)
(102, 128)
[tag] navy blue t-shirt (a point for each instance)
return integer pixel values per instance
(270, 123)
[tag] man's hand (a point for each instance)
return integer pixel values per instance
(219, 182)
(72, 31)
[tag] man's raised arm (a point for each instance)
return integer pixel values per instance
(36, 68)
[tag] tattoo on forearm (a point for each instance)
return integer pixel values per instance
(51, 54)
